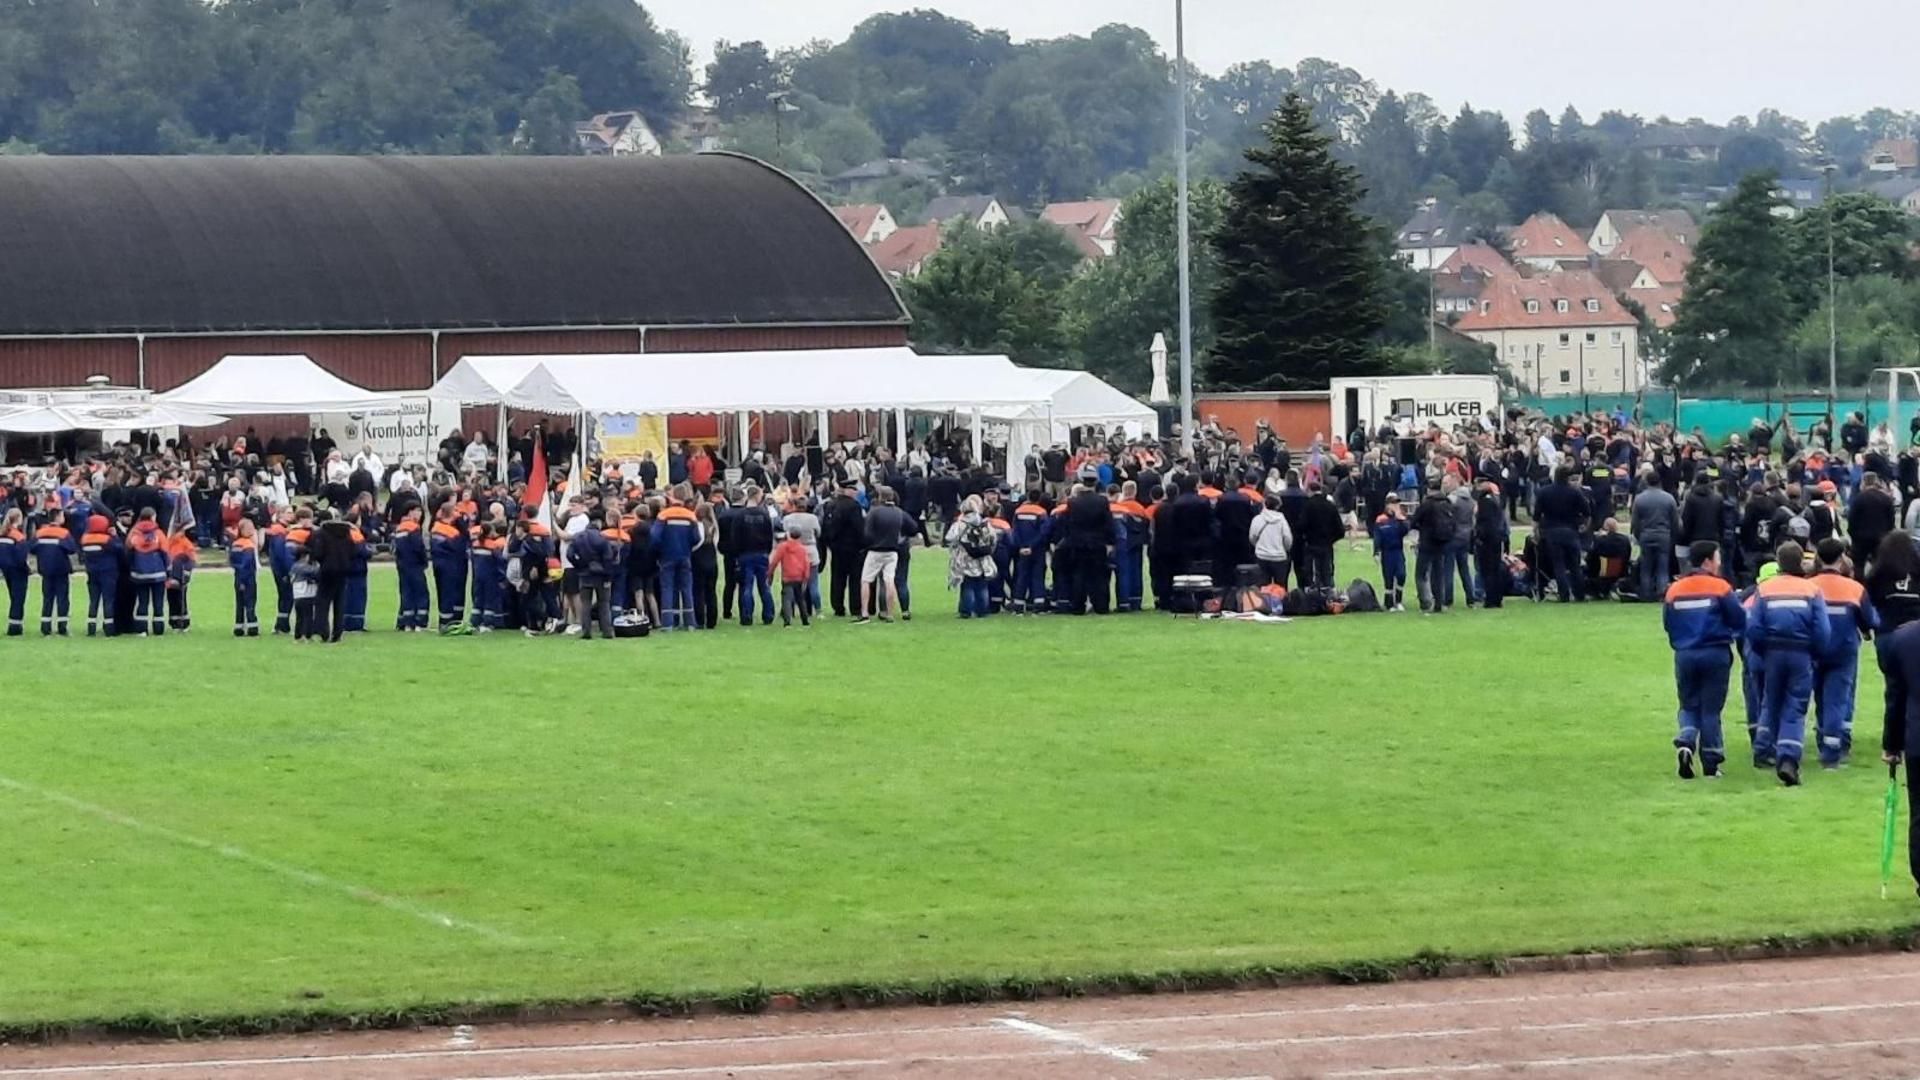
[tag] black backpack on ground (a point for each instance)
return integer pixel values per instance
(1362, 597)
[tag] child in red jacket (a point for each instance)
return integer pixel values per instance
(795, 567)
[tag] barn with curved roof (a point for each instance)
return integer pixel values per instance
(387, 270)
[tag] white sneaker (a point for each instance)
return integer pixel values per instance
(573, 631)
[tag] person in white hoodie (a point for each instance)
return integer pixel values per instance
(1272, 538)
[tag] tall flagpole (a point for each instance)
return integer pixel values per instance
(1186, 261)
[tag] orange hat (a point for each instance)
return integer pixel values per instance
(98, 523)
(1827, 487)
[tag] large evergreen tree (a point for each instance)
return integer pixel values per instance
(1300, 296)
(1732, 326)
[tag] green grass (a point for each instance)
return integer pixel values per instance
(942, 800)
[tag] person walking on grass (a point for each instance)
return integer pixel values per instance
(884, 528)
(1788, 627)
(1703, 619)
(794, 563)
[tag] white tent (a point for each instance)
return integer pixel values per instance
(1073, 399)
(273, 385)
(133, 416)
(485, 380)
(793, 381)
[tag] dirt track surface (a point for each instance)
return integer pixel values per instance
(1841, 1017)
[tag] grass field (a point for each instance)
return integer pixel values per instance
(203, 825)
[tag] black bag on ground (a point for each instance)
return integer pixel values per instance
(1303, 603)
(1362, 597)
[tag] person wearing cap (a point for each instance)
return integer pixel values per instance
(1822, 520)
(843, 540)
(102, 554)
(1851, 619)
(1788, 627)
(1703, 619)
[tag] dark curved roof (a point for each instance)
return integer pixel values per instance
(99, 245)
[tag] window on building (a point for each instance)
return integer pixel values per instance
(1486, 307)
(1566, 341)
(1565, 376)
(1511, 349)
(1533, 307)
(1591, 337)
(1592, 304)
(1562, 306)
(1615, 337)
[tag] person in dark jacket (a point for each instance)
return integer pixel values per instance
(753, 540)
(1433, 519)
(1087, 542)
(447, 551)
(1871, 516)
(410, 558)
(1490, 536)
(1561, 512)
(332, 546)
(843, 540)
(1321, 528)
(103, 553)
(1233, 514)
(1189, 526)
(591, 554)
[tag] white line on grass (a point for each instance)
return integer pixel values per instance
(1623, 1059)
(260, 862)
(1068, 1038)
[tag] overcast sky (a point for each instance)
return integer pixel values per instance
(1710, 58)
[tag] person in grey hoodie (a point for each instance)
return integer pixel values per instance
(803, 524)
(1656, 519)
(1272, 540)
(1459, 554)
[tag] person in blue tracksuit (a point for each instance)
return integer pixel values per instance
(487, 557)
(1703, 619)
(410, 558)
(14, 567)
(447, 548)
(280, 556)
(675, 535)
(353, 591)
(147, 565)
(183, 556)
(1132, 530)
(244, 559)
(101, 553)
(1851, 619)
(1032, 530)
(1390, 547)
(1788, 628)
(54, 550)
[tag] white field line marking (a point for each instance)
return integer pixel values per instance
(1517, 999)
(782, 1066)
(749, 1040)
(1524, 1029)
(1623, 1059)
(259, 862)
(1067, 1038)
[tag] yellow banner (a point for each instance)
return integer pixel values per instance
(625, 438)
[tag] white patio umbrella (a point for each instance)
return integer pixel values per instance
(47, 419)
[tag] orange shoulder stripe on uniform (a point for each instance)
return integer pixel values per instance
(1697, 585)
(1839, 590)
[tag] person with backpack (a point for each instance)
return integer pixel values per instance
(1434, 521)
(970, 544)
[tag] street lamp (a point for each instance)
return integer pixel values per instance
(1833, 308)
(779, 103)
(1186, 281)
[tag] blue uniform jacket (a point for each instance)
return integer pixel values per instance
(1703, 612)
(53, 550)
(1789, 613)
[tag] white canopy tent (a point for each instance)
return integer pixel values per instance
(82, 416)
(485, 380)
(803, 381)
(272, 385)
(1073, 399)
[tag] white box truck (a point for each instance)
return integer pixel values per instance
(1411, 402)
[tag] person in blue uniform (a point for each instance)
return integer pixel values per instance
(1851, 619)
(1703, 619)
(14, 566)
(244, 558)
(280, 557)
(447, 548)
(353, 593)
(54, 550)
(1032, 524)
(147, 566)
(102, 554)
(1788, 628)
(410, 559)
(1390, 531)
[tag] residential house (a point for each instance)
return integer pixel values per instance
(617, 134)
(1559, 333)
(1799, 196)
(1894, 157)
(881, 169)
(1900, 190)
(869, 223)
(981, 211)
(1460, 280)
(1431, 236)
(902, 254)
(1545, 242)
(1631, 281)
(1691, 141)
(699, 130)
(1617, 223)
(1665, 255)
(1096, 220)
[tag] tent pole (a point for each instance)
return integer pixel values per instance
(500, 437)
(745, 424)
(976, 435)
(900, 426)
